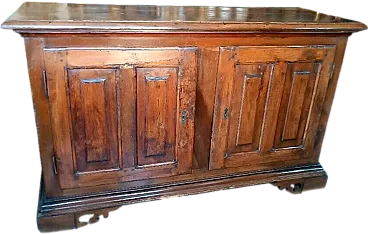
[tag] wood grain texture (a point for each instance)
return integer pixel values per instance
(294, 53)
(236, 130)
(247, 107)
(137, 103)
(149, 137)
(224, 88)
(311, 176)
(35, 57)
(186, 105)
(280, 106)
(95, 136)
(295, 104)
(55, 64)
(318, 100)
(129, 162)
(132, 180)
(94, 118)
(99, 57)
(205, 96)
(56, 223)
(248, 115)
(330, 93)
(128, 116)
(214, 40)
(157, 113)
(274, 101)
(51, 17)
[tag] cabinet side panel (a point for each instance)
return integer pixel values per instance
(317, 106)
(35, 58)
(330, 94)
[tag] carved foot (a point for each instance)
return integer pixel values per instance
(300, 185)
(73, 222)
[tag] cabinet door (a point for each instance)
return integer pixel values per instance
(121, 115)
(268, 103)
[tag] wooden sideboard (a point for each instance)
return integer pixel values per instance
(137, 103)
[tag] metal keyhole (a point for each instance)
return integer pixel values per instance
(184, 116)
(226, 113)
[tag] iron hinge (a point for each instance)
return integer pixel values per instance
(54, 164)
(45, 86)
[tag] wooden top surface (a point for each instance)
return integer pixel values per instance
(49, 17)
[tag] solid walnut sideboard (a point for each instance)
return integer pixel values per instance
(136, 103)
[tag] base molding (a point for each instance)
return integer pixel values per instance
(56, 214)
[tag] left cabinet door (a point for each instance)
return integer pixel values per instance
(92, 95)
(121, 115)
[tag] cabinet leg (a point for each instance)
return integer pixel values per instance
(70, 221)
(299, 185)
(95, 218)
(56, 223)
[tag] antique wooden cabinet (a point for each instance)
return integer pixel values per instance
(135, 103)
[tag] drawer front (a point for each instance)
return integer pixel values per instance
(268, 103)
(121, 115)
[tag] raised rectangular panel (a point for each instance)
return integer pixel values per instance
(93, 112)
(156, 115)
(296, 100)
(247, 107)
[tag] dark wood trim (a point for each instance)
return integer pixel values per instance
(64, 213)
(83, 203)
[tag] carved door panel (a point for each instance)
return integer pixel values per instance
(93, 118)
(121, 115)
(268, 103)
